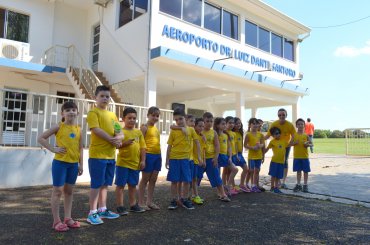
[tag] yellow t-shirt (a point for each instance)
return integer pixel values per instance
(99, 148)
(129, 156)
(223, 138)
(202, 144)
(300, 151)
(68, 136)
(181, 143)
(253, 139)
(278, 148)
(152, 140)
(232, 141)
(287, 129)
(210, 144)
(239, 141)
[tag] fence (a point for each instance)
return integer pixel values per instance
(25, 115)
(358, 141)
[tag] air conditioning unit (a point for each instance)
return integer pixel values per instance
(14, 50)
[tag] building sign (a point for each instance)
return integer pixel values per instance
(224, 50)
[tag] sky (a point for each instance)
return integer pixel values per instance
(335, 62)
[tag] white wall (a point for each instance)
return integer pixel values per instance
(123, 51)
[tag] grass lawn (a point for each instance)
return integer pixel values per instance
(330, 146)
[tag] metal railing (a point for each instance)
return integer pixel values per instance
(69, 57)
(358, 141)
(21, 124)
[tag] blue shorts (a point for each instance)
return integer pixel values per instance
(179, 170)
(255, 163)
(64, 173)
(213, 173)
(241, 159)
(236, 162)
(287, 151)
(223, 160)
(276, 170)
(153, 162)
(126, 176)
(301, 165)
(101, 172)
(193, 170)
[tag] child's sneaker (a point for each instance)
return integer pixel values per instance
(107, 214)
(261, 188)
(173, 205)
(234, 192)
(187, 204)
(283, 186)
(305, 188)
(236, 187)
(272, 189)
(94, 219)
(277, 191)
(197, 200)
(122, 211)
(297, 188)
(244, 189)
(255, 189)
(137, 209)
(225, 199)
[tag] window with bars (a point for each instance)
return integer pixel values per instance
(14, 26)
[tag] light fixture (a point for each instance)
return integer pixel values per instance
(102, 3)
(269, 68)
(226, 58)
(300, 77)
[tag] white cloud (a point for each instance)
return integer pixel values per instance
(350, 51)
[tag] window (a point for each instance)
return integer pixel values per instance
(38, 104)
(192, 11)
(263, 39)
(276, 45)
(212, 18)
(171, 7)
(251, 33)
(230, 25)
(131, 9)
(14, 26)
(288, 49)
(64, 94)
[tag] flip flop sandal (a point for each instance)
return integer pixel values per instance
(153, 206)
(73, 224)
(60, 227)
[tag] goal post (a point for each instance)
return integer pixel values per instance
(358, 141)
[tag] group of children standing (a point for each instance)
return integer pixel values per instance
(195, 146)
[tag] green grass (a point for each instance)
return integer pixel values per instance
(360, 147)
(330, 146)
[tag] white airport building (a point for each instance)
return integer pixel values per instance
(202, 55)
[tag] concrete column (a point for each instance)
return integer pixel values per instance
(296, 111)
(240, 105)
(254, 112)
(150, 88)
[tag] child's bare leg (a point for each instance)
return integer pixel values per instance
(220, 191)
(256, 176)
(174, 190)
(93, 198)
(233, 170)
(179, 189)
(142, 187)
(273, 182)
(68, 199)
(132, 194)
(299, 176)
(152, 182)
(305, 178)
(194, 187)
(224, 175)
(119, 195)
(244, 174)
(55, 202)
(103, 196)
(185, 190)
(285, 175)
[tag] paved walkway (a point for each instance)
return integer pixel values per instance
(338, 178)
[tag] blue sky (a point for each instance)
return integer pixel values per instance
(335, 62)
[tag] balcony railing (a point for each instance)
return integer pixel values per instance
(25, 115)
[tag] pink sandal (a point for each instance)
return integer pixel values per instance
(60, 227)
(71, 223)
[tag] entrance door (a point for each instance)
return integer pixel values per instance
(14, 118)
(95, 48)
